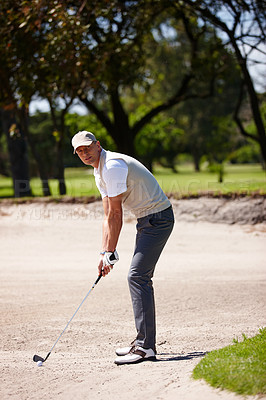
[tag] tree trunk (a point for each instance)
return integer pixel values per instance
(3, 165)
(60, 128)
(126, 143)
(23, 115)
(18, 153)
(122, 134)
(119, 130)
(254, 102)
(196, 160)
(220, 173)
(60, 167)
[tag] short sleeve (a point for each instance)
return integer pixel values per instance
(115, 177)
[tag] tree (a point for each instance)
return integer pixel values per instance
(104, 51)
(123, 40)
(243, 22)
(58, 75)
(195, 115)
(19, 42)
(114, 41)
(18, 154)
(9, 103)
(198, 117)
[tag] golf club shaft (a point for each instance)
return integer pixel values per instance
(95, 283)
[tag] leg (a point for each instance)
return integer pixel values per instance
(152, 234)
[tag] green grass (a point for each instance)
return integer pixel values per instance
(79, 182)
(237, 179)
(240, 367)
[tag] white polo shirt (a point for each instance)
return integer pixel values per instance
(121, 174)
(115, 178)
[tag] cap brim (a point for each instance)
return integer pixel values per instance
(87, 143)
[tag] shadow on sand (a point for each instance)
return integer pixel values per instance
(180, 357)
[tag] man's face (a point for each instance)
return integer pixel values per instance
(90, 155)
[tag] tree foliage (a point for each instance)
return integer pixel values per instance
(128, 62)
(243, 23)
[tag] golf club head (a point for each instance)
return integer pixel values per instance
(37, 358)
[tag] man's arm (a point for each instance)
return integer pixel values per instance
(113, 221)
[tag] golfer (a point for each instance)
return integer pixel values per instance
(125, 182)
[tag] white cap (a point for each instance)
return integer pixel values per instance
(83, 138)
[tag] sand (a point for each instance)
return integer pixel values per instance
(209, 286)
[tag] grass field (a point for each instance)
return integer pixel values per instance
(240, 368)
(187, 182)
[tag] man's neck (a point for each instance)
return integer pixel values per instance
(98, 162)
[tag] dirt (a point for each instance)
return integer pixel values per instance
(209, 287)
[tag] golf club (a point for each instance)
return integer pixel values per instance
(37, 358)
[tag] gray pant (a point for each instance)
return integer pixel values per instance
(152, 234)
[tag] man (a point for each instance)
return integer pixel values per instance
(125, 182)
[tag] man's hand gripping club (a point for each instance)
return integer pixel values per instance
(107, 260)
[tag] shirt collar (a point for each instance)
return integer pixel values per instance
(101, 161)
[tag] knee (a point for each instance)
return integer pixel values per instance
(132, 278)
(135, 278)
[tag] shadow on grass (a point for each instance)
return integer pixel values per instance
(180, 357)
(7, 197)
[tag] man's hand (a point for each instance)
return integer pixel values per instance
(104, 269)
(107, 260)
